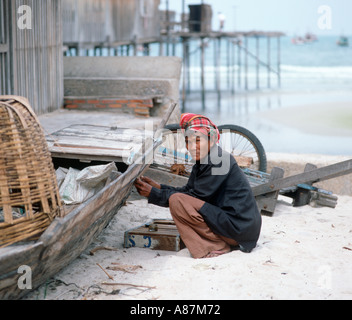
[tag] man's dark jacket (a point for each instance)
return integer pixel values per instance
(230, 208)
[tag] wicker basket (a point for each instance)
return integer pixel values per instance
(29, 195)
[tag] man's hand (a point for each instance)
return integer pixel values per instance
(151, 182)
(143, 188)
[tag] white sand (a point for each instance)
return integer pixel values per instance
(326, 119)
(302, 253)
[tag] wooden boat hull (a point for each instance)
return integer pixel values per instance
(66, 238)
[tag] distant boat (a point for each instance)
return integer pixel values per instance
(297, 41)
(308, 38)
(342, 42)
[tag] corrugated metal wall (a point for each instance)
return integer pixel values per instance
(32, 65)
(110, 21)
(5, 69)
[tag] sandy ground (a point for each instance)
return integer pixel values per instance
(302, 253)
(327, 119)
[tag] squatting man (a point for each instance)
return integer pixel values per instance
(215, 211)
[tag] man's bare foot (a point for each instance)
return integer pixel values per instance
(215, 254)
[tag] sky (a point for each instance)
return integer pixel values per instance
(293, 17)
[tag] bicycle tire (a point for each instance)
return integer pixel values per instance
(246, 134)
(252, 139)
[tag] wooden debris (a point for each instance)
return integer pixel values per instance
(124, 268)
(93, 251)
(126, 284)
(109, 276)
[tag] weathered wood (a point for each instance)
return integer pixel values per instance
(90, 142)
(303, 196)
(267, 203)
(155, 235)
(320, 174)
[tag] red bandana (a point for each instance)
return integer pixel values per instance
(197, 122)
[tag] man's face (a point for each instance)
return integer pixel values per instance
(198, 145)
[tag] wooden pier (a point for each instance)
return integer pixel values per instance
(236, 49)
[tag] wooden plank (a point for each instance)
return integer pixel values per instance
(86, 158)
(4, 193)
(102, 132)
(94, 133)
(90, 142)
(320, 174)
(94, 144)
(65, 150)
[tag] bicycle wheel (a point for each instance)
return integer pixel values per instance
(238, 141)
(241, 142)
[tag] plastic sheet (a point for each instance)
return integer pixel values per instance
(77, 186)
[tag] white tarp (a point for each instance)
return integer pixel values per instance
(77, 186)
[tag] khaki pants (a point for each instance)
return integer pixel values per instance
(195, 233)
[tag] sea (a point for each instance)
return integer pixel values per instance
(310, 74)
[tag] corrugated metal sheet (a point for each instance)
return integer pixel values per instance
(109, 21)
(5, 83)
(34, 67)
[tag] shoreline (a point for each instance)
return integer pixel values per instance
(324, 119)
(296, 122)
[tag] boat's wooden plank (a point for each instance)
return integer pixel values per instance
(11, 258)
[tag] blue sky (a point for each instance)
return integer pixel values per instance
(294, 17)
